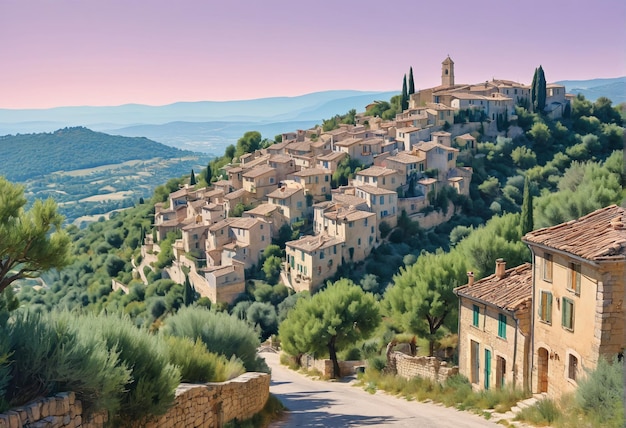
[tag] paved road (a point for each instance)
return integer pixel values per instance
(314, 403)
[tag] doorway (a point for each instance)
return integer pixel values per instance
(500, 372)
(542, 363)
(487, 367)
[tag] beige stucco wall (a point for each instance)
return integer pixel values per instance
(515, 354)
(598, 326)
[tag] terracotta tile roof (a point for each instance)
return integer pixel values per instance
(311, 243)
(600, 235)
(245, 222)
(280, 158)
(239, 193)
(284, 192)
(377, 171)
(348, 142)
(262, 210)
(348, 214)
(259, 171)
(332, 156)
(404, 157)
(347, 200)
(373, 190)
(509, 292)
(311, 171)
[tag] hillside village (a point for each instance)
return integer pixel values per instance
(405, 160)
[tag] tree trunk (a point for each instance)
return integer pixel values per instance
(431, 347)
(333, 357)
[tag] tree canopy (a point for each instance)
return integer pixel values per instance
(336, 317)
(31, 241)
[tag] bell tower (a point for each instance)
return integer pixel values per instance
(447, 72)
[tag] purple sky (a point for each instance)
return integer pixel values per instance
(112, 52)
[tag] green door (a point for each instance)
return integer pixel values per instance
(487, 367)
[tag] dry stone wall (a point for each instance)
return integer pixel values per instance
(60, 411)
(197, 405)
(425, 367)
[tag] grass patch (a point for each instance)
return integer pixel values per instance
(543, 412)
(454, 392)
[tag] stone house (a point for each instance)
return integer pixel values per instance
(439, 157)
(291, 202)
(406, 163)
(284, 165)
(312, 259)
(495, 328)
(316, 181)
(578, 291)
(249, 237)
(330, 160)
(260, 180)
(382, 202)
(225, 283)
(356, 228)
(379, 176)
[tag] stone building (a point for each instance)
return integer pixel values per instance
(494, 327)
(578, 291)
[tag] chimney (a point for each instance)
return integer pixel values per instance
(470, 279)
(500, 268)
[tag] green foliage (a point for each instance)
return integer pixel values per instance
(600, 394)
(583, 188)
(153, 382)
(248, 143)
(271, 269)
(30, 241)
(332, 319)
(411, 82)
(192, 179)
(345, 171)
(524, 157)
(526, 223)
(263, 316)
(542, 412)
(539, 86)
(404, 100)
(221, 333)
(52, 353)
(74, 148)
(421, 300)
(197, 365)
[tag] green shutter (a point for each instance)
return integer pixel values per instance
(476, 315)
(549, 308)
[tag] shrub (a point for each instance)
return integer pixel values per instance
(220, 332)
(542, 412)
(53, 352)
(197, 365)
(601, 393)
(153, 382)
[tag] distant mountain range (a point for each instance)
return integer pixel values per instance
(209, 126)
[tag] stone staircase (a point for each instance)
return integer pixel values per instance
(510, 415)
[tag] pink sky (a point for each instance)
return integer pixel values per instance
(112, 52)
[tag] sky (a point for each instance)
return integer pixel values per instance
(156, 52)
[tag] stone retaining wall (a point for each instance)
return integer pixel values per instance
(325, 367)
(213, 404)
(425, 367)
(60, 411)
(197, 405)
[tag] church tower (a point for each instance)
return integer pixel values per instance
(447, 72)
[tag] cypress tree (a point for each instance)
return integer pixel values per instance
(526, 223)
(411, 82)
(404, 101)
(192, 179)
(208, 174)
(188, 294)
(540, 91)
(533, 89)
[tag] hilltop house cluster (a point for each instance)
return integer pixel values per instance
(290, 181)
(541, 325)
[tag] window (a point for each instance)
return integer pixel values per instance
(545, 306)
(321, 255)
(326, 177)
(365, 223)
(359, 241)
(262, 237)
(567, 313)
(547, 267)
(351, 224)
(450, 156)
(302, 255)
(574, 279)
(476, 316)
(382, 200)
(502, 326)
(572, 367)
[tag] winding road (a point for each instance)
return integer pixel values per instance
(313, 403)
